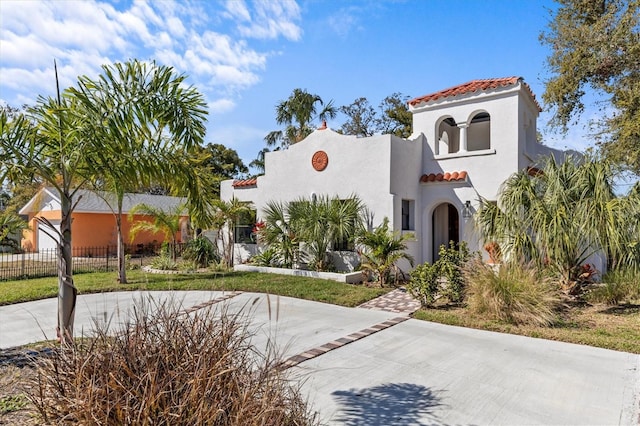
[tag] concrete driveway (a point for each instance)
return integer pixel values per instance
(367, 367)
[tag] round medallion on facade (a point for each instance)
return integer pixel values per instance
(320, 160)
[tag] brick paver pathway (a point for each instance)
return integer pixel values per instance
(398, 301)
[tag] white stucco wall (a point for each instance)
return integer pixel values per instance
(384, 170)
(487, 169)
(359, 166)
(405, 185)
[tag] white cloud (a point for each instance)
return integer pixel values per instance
(237, 9)
(350, 18)
(343, 22)
(175, 26)
(83, 35)
(221, 105)
(271, 20)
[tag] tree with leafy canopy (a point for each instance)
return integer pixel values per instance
(396, 119)
(595, 46)
(221, 163)
(19, 193)
(12, 198)
(258, 162)
(63, 141)
(280, 233)
(297, 114)
(363, 120)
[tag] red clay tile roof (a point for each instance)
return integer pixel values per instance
(474, 86)
(245, 182)
(444, 177)
(534, 171)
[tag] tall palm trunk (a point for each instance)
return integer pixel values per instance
(67, 292)
(122, 267)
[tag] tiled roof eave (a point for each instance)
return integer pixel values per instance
(473, 87)
(245, 183)
(446, 177)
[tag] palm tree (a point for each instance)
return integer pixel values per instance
(78, 137)
(258, 162)
(323, 222)
(229, 213)
(44, 141)
(297, 113)
(280, 233)
(166, 222)
(562, 215)
(382, 250)
(11, 225)
(136, 111)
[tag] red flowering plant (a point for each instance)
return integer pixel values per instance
(255, 231)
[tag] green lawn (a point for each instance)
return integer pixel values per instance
(616, 327)
(299, 287)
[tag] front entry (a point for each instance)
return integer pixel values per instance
(445, 227)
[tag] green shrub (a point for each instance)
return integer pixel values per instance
(423, 284)
(186, 266)
(165, 368)
(444, 278)
(268, 257)
(201, 252)
(450, 262)
(129, 264)
(514, 293)
(617, 286)
(164, 262)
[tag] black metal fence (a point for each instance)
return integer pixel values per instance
(85, 259)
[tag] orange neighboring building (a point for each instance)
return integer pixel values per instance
(93, 220)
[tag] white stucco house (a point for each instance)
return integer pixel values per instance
(466, 141)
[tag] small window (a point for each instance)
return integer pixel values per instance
(345, 244)
(243, 231)
(408, 207)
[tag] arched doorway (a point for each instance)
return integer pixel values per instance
(445, 224)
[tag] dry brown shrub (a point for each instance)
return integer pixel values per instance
(167, 368)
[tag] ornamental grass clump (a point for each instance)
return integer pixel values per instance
(514, 293)
(620, 285)
(165, 367)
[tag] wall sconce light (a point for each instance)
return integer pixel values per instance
(466, 210)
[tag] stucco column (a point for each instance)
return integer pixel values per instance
(463, 137)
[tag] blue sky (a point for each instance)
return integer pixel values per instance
(246, 56)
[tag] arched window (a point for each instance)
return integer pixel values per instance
(479, 132)
(448, 137)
